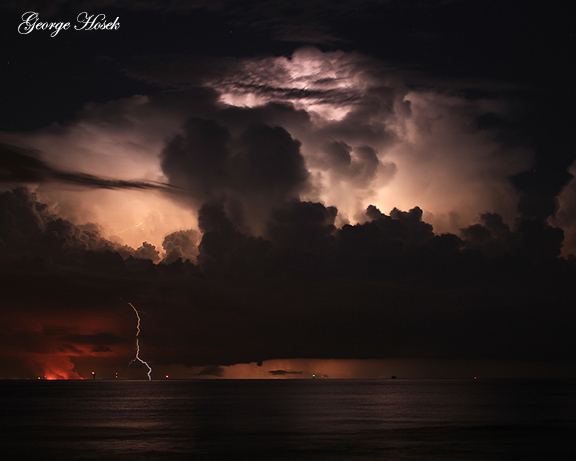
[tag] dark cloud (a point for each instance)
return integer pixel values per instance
(226, 250)
(367, 163)
(88, 180)
(284, 372)
(22, 166)
(31, 231)
(19, 165)
(303, 237)
(490, 235)
(269, 163)
(147, 251)
(262, 160)
(101, 349)
(254, 170)
(338, 153)
(302, 226)
(99, 340)
(181, 245)
(308, 26)
(357, 165)
(318, 96)
(69, 349)
(393, 244)
(198, 158)
(388, 287)
(531, 238)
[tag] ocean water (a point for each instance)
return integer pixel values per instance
(288, 420)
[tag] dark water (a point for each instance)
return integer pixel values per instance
(289, 420)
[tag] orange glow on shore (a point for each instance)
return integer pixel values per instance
(53, 367)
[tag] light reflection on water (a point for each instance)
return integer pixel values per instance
(296, 419)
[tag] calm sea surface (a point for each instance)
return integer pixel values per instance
(289, 420)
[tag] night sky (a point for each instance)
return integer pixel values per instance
(282, 188)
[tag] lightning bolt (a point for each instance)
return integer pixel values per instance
(137, 358)
(128, 228)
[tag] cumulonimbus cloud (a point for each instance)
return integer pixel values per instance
(338, 128)
(365, 135)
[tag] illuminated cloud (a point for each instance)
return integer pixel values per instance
(121, 140)
(368, 134)
(334, 127)
(565, 217)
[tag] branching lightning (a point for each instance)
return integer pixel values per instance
(137, 358)
(128, 228)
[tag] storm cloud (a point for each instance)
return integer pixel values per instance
(260, 167)
(359, 180)
(387, 287)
